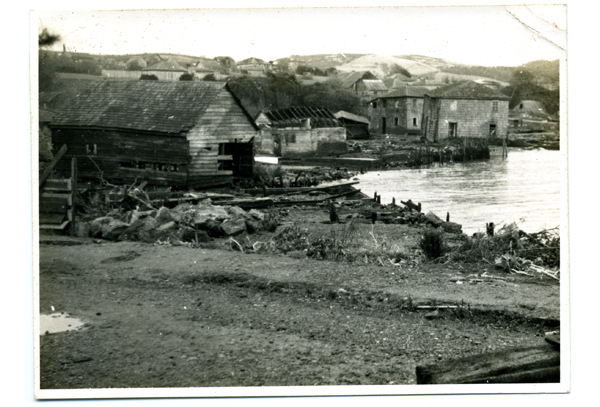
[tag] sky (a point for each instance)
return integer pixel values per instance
(485, 35)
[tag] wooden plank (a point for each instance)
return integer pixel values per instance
(52, 164)
(534, 364)
(56, 227)
(67, 198)
(57, 185)
(53, 207)
(52, 218)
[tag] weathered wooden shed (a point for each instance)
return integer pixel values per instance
(190, 134)
(357, 127)
(466, 109)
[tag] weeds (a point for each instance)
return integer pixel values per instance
(432, 244)
(511, 249)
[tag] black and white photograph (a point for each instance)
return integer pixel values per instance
(300, 201)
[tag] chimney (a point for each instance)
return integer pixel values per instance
(306, 123)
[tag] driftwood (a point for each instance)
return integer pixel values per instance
(316, 201)
(411, 205)
(295, 190)
(534, 364)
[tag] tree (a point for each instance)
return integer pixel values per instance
(186, 77)
(47, 61)
(397, 69)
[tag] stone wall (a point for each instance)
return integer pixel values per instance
(294, 141)
(473, 118)
(399, 114)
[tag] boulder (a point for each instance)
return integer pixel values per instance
(107, 228)
(206, 210)
(163, 215)
(253, 225)
(140, 227)
(232, 227)
(452, 227)
(237, 212)
(210, 226)
(256, 214)
(433, 219)
(163, 232)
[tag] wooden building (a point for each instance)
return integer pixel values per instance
(466, 109)
(300, 131)
(188, 134)
(350, 80)
(165, 70)
(399, 111)
(357, 127)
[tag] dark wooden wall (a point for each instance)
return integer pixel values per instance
(118, 154)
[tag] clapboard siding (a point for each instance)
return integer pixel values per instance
(224, 121)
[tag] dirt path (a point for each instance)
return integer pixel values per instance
(161, 316)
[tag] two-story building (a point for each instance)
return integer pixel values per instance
(397, 112)
(465, 109)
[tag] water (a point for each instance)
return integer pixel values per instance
(57, 322)
(524, 188)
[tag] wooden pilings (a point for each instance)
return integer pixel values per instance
(455, 150)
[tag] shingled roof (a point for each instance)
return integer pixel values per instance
(163, 107)
(374, 85)
(467, 90)
(293, 117)
(168, 66)
(406, 92)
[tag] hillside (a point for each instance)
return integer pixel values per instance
(380, 65)
(437, 63)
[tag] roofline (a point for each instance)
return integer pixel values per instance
(239, 102)
(148, 132)
(471, 98)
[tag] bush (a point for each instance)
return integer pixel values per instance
(432, 244)
(145, 77)
(186, 77)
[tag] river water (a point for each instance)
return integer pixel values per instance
(524, 188)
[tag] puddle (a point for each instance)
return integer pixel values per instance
(57, 322)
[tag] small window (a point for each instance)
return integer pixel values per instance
(495, 106)
(521, 106)
(396, 121)
(290, 138)
(492, 130)
(91, 149)
(383, 103)
(415, 122)
(374, 105)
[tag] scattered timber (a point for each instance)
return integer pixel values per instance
(296, 190)
(534, 364)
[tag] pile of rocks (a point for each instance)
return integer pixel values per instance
(184, 223)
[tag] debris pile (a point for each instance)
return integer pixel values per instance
(186, 222)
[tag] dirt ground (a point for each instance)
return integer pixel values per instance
(164, 316)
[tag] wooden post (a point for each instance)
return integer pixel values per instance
(73, 225)
(447, 216)
(489, 227)
(464, 150)
(393, 201)
(379, 199)
(52, 164)
(375, 196)
(333, 216)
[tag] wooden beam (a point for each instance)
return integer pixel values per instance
(52, 164)
(534, 364)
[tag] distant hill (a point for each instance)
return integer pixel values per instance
(437, 63)
(321, 61)
(382, 65)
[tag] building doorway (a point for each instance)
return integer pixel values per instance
(383, 125)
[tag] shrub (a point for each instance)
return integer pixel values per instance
(145, 77)
(186, 77)
(432, 244)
